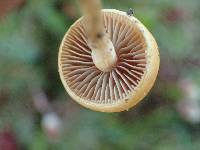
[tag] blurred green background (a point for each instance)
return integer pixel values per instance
(37, 114)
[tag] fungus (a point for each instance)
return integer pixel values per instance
(112, 77)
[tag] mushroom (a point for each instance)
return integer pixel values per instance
(130, 62)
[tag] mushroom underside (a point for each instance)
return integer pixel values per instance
(86, 80)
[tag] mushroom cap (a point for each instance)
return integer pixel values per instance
(129, 80)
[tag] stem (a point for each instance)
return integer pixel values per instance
(103, 52)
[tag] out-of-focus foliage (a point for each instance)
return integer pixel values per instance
(37, 114)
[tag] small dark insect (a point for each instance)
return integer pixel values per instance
(130, 12)
(99, 35)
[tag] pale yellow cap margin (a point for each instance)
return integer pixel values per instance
(146, 83)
